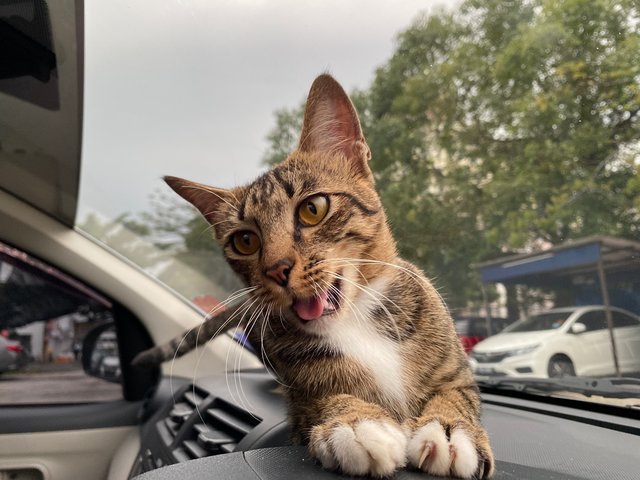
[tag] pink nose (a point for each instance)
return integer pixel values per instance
(279, 272)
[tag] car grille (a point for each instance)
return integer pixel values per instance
(489, 357)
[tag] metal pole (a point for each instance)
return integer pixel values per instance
(487, 315)
(607, 309)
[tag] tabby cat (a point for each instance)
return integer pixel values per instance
(375, 376)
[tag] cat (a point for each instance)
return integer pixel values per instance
(375, 375)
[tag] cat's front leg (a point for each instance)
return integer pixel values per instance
(448, 440)
(357, 438)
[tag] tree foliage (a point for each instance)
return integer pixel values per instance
(500, 127)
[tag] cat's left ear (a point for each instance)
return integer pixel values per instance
(208, 200)
(331, 125)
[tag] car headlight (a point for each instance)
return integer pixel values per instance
(520, 351)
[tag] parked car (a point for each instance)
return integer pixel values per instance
(472, 330)
(562, 342)
(105, 361)
(12, 355)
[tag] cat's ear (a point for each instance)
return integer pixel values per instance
(331, 124)
(208, 200)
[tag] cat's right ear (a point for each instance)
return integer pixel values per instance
(208, 200)
(331, 125)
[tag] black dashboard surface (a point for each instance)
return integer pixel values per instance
(531, 439)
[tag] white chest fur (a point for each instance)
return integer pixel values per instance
(356, 337)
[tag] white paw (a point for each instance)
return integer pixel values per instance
(370, 447)
(430, 451)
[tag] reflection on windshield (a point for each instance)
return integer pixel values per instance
(536, 323)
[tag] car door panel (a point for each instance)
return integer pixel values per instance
(61, 455)
(628, 348)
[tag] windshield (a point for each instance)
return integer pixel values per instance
(505, 140)
(545, 321)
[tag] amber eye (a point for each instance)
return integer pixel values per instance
(313, 210)
(245, 242)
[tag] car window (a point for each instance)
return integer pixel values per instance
(544, 321)
(623, 320)
(45, 316)
(479, 328)
(595, 320)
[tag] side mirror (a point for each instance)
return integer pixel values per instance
(100, 356)
(578, 328)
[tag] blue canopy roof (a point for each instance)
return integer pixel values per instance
(569, 258)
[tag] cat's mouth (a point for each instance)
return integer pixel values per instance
(326, 302)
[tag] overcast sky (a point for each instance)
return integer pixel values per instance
(189, 87)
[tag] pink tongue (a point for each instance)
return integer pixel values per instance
(310, 308)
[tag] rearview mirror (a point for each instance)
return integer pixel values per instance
(578, 328)
(100, 356)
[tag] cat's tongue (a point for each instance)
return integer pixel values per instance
(311, 308)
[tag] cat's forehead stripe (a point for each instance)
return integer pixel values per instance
(264, 186)
(355, 201)
(258, 192)
(288, 187)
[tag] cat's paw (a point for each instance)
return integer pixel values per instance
(464, 452)
(366, 447)
(148, 358)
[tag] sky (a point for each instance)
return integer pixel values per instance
(188, 87)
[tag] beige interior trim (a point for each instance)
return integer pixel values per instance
(73, 454)
(124, 457)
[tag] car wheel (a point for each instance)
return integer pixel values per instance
(560, 366)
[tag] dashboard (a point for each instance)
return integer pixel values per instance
(234, 426)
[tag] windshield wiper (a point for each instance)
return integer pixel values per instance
(611, 387)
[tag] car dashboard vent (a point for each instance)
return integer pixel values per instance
(199, 426)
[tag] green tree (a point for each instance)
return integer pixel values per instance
(284, 136)
(504, 125)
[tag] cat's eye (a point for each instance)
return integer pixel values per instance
(312, 210)
(245, 242)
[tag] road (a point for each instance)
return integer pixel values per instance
(68, 386)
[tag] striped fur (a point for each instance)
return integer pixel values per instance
(380, 382)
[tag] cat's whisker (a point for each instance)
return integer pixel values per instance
(267, 321)
(245, 327)
(221, 306)
(423, 282)
(213, 225)
(359, 317)
(215, 334)
(235, 332)
(265, 357)
(383, 296)
(220, 197)
(375, 296)
(263, 316)
(357, 313)
(231, 298)
(253, 320)
(282, 322)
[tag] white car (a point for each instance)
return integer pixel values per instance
(562, 342)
